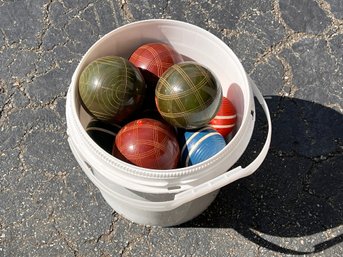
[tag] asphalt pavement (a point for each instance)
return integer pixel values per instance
(291, 206)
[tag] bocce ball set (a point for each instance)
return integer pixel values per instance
(158, 111)
(187, 97)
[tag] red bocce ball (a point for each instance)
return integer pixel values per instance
(225, 119)
(149, 143)
(154, 59)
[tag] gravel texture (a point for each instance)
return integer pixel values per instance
(293, 204)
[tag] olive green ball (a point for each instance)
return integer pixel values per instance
(111, 89)
(188, 96)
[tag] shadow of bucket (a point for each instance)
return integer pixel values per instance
(297, 194)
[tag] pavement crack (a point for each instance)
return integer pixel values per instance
(96, 17)
(4, 39)
(51, 103)
(71, 245)
(23, 167)
(124, 251)
(291, 37)
(109, 234)
(306, 183)
(289, 88)
(130, 243)
(126, 11)
(6, 108)
(259, 252)
(165, 8)
(278, 15)
(325, 6)
(89, 5)
(285, 43)
(114, 13)
(46, 23)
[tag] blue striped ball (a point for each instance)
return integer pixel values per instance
(199, 145)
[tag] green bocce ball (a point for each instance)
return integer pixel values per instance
(187, 95)
(111, 88)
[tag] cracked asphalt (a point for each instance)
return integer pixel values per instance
(293, 205)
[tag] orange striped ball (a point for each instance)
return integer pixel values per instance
(225, 119)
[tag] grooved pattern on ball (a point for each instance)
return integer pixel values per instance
(187, 95)
(111, 88)
(149, 143)
(155, 58)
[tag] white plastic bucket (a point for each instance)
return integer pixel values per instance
(167, 197)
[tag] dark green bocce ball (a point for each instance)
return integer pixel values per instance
(111, 88)
(188, 96)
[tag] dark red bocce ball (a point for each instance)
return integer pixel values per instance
(149, 143)
(154, 59)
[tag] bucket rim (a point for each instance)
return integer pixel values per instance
(156, 173)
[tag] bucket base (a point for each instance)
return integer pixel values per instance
(174, 217)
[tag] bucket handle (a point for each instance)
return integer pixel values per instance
(199, 190)
(238, 172)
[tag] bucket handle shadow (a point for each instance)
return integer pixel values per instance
(251, 235)
(197, 191)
